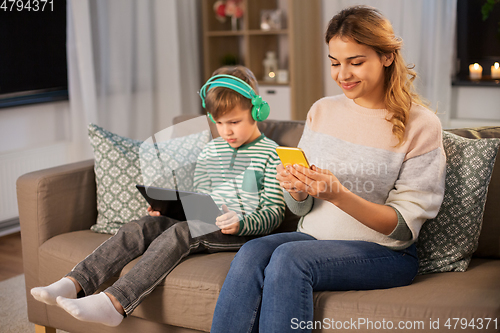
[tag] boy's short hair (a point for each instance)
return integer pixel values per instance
(220, 100)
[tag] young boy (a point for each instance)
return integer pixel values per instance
(238, 170)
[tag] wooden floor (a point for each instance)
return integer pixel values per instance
(11, 257)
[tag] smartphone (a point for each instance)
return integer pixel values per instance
(292, 155)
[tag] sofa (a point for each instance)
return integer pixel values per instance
(57, 207)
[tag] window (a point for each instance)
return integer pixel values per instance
(478, 41)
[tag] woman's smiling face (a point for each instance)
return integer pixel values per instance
(359, 71)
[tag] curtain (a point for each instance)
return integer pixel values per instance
(132, 66)
(428, 31)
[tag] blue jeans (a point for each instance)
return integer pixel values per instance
(162, 242)
(272, 279)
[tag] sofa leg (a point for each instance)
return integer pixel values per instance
(44, 329)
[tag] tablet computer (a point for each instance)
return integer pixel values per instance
(181, 205)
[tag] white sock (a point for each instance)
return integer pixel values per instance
(64, 287)
(94, 308)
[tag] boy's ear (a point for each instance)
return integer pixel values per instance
(388, 59)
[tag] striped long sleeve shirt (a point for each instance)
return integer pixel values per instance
(244, 179)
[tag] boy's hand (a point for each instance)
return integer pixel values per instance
(228, 222)
(152, 212)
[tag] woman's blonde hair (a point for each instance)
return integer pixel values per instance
(366, 25)
(220, 100)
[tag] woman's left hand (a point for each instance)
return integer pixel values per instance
(319, 183)
(228, 222)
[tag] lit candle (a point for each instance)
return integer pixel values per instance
(475, 71)
(495, 71)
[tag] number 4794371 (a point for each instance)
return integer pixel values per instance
(474, 323)
(26, 5)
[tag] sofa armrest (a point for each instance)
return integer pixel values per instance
(51, 202)
(57, 200)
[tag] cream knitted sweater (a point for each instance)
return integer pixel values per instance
(357, 145)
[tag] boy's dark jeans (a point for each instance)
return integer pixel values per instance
(162, 242)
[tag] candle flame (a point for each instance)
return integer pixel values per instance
(497, 65)
(476, 66)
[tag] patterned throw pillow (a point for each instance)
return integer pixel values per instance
(447, 242)
(121, 163)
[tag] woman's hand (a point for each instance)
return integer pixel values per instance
(152, 212)
(286, 179)
(322, 184)
(319, 183)
(288, 182)
(228, 222)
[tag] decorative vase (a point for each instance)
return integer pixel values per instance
(234, 23)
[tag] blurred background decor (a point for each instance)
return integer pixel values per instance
(486, 10)
(271, 19)
(229, 8)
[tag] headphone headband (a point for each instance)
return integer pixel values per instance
(227, 81)
(260, 109)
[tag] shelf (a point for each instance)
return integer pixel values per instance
(486, 81)
(224, 33)
(298, 48)
(267, 32)
(271, 83)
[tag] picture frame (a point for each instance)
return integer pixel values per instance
(272, 19)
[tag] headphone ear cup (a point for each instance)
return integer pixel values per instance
(209, 115)
(261, 113)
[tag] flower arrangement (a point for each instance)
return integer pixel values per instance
(228, 8)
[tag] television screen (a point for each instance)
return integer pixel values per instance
(33, 65)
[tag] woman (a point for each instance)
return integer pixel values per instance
(378, 174)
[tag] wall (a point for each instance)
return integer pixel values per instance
(475, 106)
(26, 127)
(31, 138)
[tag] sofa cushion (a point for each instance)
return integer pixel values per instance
(472, 295)
(186, 298)
(447, 242)
(489, 240)
(121, 163)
